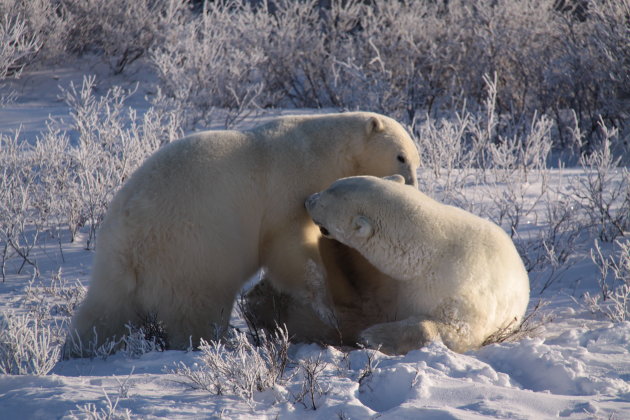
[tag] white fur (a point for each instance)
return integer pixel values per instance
(204, 213)
(457, 277)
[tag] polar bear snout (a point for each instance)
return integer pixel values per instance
(310, 201)
(310, 205)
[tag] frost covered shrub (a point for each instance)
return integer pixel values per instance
(519, 163)
(57, 186)
(532, 325)
(122, 30)
(30, 30)
(112, 143)
(603, 193)
(17, 182)
(104, 155)
(549, 250)
(138, 341)
(92, 412)
(212, 62)
(238, 366)
(614, 282)
(302, 47)
(17, 46)
(141, 340)
(27, 346)
(53, 297)
(312, 390)
(469, 149)
(546, 61)
(405, 59)
(591, 71)
(110, 411)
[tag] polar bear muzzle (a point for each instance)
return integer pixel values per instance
(311, 200)
(310, 205)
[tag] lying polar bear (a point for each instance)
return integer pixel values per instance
(433, 271)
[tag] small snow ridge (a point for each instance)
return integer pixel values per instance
(441, 361)
(541, 367)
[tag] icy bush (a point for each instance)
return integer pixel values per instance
(404, 59)
(211, 62)
(532, 325)
(90, 411)
(139, 340)
(17, 46)
(302, 45)
(106, 152)
(312, 390)
(467, 150)
(122, 30)
(75, 347)
(548, 251)
(614, 281)
(53, 297)
(27, 346)
(29, 30)
(57, 186)
(604, 192)
(238, 366)
(17, 182)
(110, 410)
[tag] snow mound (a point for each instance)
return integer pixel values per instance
(560, 365)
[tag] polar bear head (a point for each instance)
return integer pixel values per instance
(370, 214)
(387, 149)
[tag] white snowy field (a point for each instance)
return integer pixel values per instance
(576, 367)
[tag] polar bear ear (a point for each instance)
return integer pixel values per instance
(395, 178)
(362, 227)
(375, 125)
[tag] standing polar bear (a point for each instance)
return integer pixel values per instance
(454, 276)
(204, 213)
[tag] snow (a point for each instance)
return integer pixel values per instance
(578, 367)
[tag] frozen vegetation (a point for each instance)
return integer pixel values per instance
(520, 111)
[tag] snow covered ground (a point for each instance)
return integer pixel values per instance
(578, 367)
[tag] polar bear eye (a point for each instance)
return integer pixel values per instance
(324, 231)
(401, 159)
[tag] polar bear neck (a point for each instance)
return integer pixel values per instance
(329, 148)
